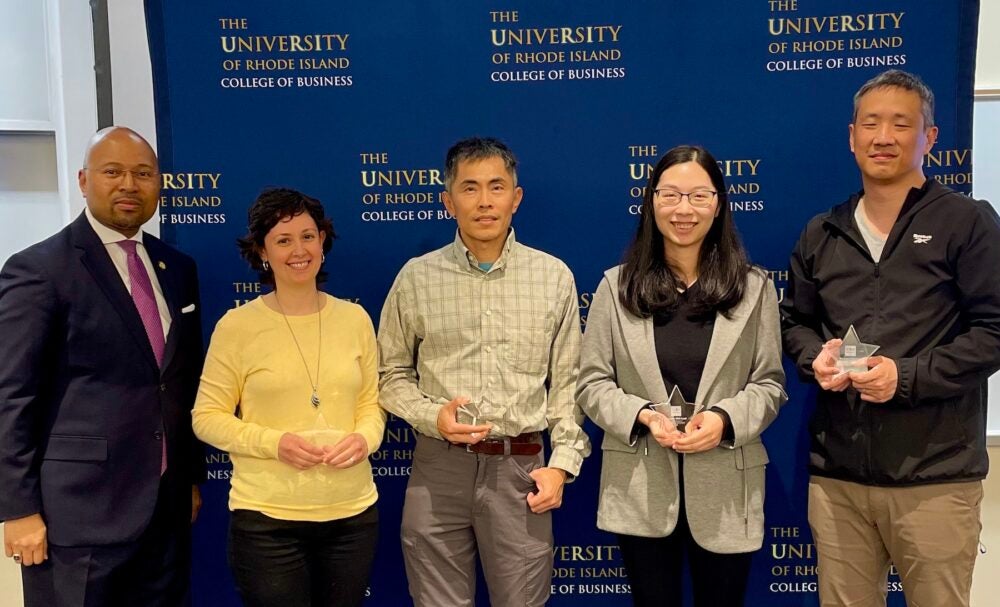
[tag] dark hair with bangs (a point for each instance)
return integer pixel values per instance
(648, 286)
(272, 206)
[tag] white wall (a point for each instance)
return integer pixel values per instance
(38, 163)
(985, 581)
(132, 76)
(988, 56)
(986, 154)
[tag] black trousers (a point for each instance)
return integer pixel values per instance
(153, 571)
(280, 563)
(654, 566)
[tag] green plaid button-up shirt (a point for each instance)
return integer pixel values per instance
(508, 338)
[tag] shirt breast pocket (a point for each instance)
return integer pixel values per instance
(527, 349)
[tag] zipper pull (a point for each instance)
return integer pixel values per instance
(876, 269)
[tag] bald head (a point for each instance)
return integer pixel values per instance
(120, 179)
(114, 133)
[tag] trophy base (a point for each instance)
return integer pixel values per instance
(678, 414)
(856, 365)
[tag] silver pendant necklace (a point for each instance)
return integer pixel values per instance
(314, 400)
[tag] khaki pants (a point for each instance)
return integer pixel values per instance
(458, 501)
(930, 533)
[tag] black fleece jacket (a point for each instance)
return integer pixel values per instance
(932, 303)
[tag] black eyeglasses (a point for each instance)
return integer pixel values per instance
(669, 197)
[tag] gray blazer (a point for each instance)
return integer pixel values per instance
(724, 487)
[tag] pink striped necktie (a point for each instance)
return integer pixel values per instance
(145, 304)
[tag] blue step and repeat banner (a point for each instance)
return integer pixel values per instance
(356, 103)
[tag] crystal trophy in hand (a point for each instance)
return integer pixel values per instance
(853, 355)
(322, 434)
(677, 409)
(468, 414)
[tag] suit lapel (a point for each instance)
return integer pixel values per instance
(638, 337)
(95, 258)
(166, 275)
(726, 334)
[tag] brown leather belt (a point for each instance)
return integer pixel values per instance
(529, 443)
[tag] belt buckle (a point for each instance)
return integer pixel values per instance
(469, 448)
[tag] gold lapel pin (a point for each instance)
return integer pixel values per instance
(162, 265)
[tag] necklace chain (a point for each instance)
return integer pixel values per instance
(314, 399)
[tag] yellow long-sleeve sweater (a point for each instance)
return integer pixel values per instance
(253, 363)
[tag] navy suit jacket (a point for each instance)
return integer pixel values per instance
(83, 406)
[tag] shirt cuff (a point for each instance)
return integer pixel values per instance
(427, 420)
(638, 428)
(566, 459)
(373, 440)
(269, 442)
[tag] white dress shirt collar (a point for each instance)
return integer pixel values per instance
(108, 235)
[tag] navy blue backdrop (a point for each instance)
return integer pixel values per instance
(356, 102)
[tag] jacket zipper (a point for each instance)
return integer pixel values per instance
(878, 310)
(868, 410)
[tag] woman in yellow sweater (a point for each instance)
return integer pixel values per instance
(290, 390)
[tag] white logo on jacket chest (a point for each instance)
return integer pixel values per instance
(921, 238)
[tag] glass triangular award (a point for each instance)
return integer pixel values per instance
(853, 355)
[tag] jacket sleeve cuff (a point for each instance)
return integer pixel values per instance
(623, 426)
(15, 512)
(906, 375)
(806, 360)
(728, 433)
(638, 428)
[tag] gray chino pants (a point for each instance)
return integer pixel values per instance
(458, 502)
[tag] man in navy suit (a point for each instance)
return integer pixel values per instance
(99, 366)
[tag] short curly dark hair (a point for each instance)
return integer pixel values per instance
(272, 206)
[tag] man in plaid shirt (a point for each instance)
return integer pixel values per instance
(479, 347)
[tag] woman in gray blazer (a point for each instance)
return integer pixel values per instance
(687, 311)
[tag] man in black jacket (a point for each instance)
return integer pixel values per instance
(898, 452)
